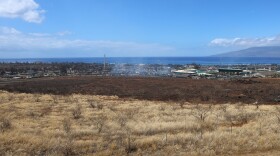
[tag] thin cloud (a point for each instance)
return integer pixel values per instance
(9, 31)
(30, 42)
(27, 10)
(64, 33)
(40, 34)
(246, 42)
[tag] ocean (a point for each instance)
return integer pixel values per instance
(157, 60)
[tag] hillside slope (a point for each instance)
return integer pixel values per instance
(272, 51)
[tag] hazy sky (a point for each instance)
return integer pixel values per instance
(81, 28)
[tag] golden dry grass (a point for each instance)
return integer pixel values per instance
(32, 124)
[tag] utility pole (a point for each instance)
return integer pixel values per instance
(104, 66)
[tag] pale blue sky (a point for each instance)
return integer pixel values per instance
(81, 28)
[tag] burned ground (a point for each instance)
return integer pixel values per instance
(264, 91)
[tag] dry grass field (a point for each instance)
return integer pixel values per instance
(34, 124)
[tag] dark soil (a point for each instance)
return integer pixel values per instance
(164, 89)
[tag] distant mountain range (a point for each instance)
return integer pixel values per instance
(269, 51)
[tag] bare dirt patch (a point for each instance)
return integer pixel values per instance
(264, 91)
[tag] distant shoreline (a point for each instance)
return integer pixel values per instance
(209, 60)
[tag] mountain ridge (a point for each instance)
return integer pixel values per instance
(267, 51)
